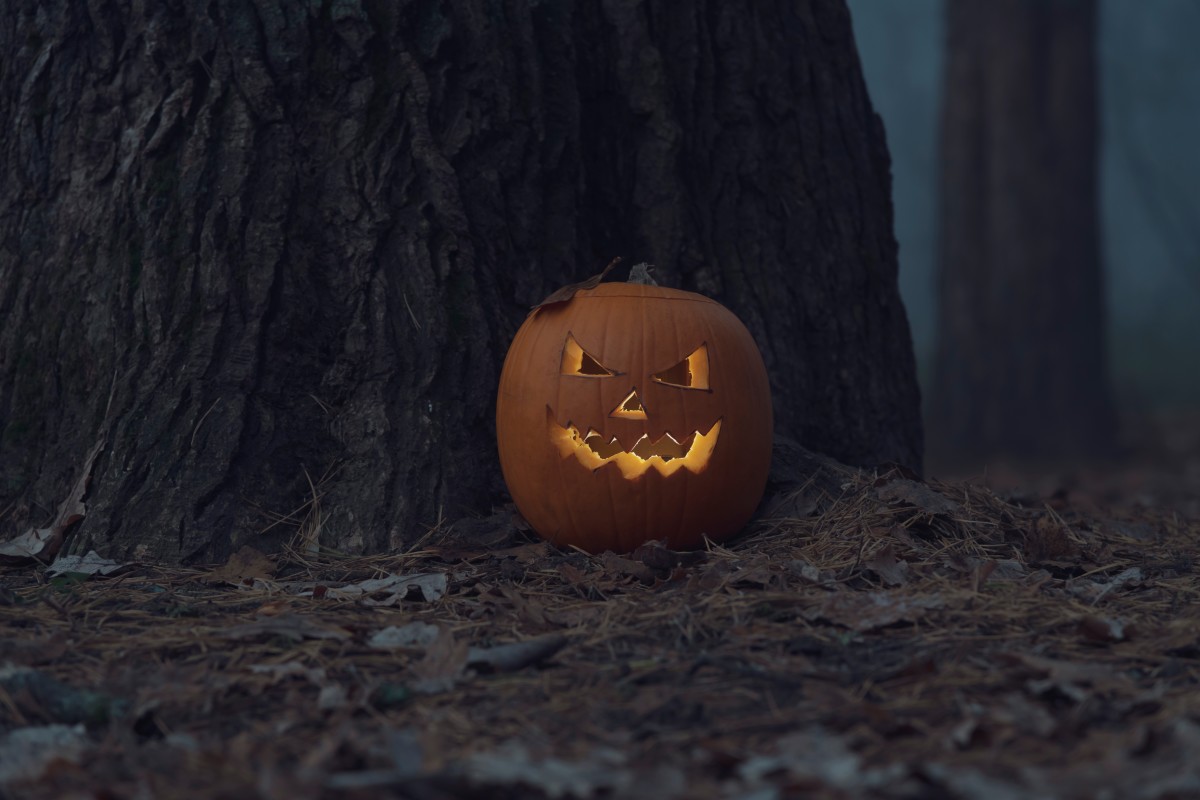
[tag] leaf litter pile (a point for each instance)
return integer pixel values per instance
(873, 636)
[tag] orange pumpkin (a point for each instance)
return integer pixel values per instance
(634, 412)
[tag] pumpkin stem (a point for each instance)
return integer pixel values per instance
(640, 273)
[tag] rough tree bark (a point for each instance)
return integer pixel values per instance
(1020, 367)
(265, 251)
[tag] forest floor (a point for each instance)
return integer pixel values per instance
(1012, 637)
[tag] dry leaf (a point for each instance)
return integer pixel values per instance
(514, 656)
(1095, 590)
(443, 665)
(1102, 629)
(567, 292)
(891, 571)
(656, 555)
(1069, 678)
(37, 695)
(806, 572)
(26, 754)
(90, 564)
(512, 766)
(289, 626)
(1048, 540)
(866, 611)
(907, 492)
(332, 696)
(818, 758)
(243, 568)
(42, 544)
(618, 567)
(290, 669)
(414, 634)
(980, 574)
(572, 574)
(27, 547)
(389, 591)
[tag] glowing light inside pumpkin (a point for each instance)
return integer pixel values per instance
(667, 456)
(577, 361)
(630, 408)
(691, 373)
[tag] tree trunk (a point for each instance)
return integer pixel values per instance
(272, 252)
(1021, 360)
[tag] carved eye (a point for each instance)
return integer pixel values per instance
(691, 373)
(577, 361)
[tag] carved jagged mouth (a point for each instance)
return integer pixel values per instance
(668, 455)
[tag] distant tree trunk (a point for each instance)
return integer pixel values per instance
(274, 250)
(1021, 359)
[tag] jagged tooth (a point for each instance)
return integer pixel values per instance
(639, 445)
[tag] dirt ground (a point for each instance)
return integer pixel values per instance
(1013, 635)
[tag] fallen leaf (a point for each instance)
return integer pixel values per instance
(332, 696)
(90, 564)
(892, 571)
(1095, 590)
(1102, 629)
(516, 655)
(1025, 715)
(980, 574)
(969, 733)
(712, 578)
(572, 574)
(403, 750)
(388, 591)
(795, 504)
(1048, 540)
(36, 650)
(818, 758)
(866, 611)
(753, 574)
(567, 292)
(38, 696)
(243, 568)
(912, 493)
(414, 634)
(443, 665)
(27, 547)
(526, 553)
(959, 781)
(618, 567)
(289, 626)
(575, 617)
(42, 544)
(290, 669)
(601, 773)
(27, 754)
(1072, 680)
(808, 573)
(656, 555)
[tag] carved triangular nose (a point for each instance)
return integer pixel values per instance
(630, 408)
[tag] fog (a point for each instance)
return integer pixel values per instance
(1150, 178)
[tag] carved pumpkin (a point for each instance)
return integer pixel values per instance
(634, 412)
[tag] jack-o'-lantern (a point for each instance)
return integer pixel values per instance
(634, 412)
